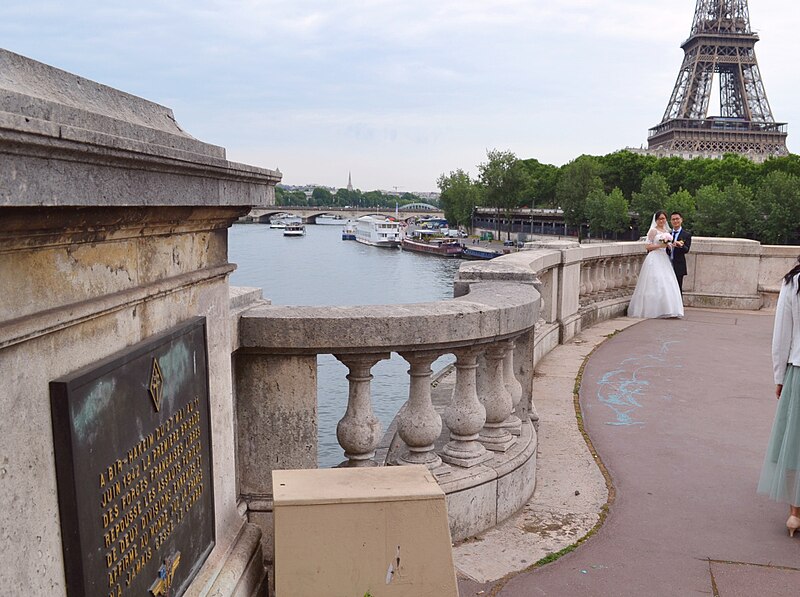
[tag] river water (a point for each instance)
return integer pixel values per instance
(322, 269)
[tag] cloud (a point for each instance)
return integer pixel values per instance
(367, 85)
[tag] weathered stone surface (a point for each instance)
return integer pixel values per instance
(276, 417)
(775, 262)
(472, 510)
(113, 148)
(112, 229)
(489, 312)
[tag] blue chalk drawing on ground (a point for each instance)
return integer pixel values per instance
(621, 389)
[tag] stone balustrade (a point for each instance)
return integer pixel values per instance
(508, 313)
(486, 423)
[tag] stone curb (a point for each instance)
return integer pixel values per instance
(572, 492)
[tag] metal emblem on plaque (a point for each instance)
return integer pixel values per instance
(156, 384)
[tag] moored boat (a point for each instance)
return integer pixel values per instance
(280, 221)
(294, 229)
(378, 231)
(349, 230)
(431, 244)
(477, 252)
(329, 220)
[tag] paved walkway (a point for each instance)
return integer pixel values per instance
(679, 412)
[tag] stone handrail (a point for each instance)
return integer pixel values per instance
(489, 330)
(579, 284)
(490, 312)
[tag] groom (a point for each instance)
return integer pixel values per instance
(681, 241)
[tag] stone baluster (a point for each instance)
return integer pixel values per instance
(627, 273)
(513, 423)
(614, 275)
(465, 415)
(623, 274)
(419, 425)
(496, 398)
(587, 270)
(359, 430)
(600, 276)
(582, 282)
(631, 277)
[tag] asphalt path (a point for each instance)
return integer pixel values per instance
(679, 412)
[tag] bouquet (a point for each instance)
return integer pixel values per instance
(664, 238)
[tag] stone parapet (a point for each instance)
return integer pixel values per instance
(775, 261)
(489, 329)
(113, 148)
(490, 312)
(723, 273)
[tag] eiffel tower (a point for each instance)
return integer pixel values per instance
(720, 42)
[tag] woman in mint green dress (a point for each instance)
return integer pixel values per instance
(780, 475)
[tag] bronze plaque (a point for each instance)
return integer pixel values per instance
(133, 464)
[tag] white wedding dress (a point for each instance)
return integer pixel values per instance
(656, 293)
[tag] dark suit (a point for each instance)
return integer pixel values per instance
(678, 256)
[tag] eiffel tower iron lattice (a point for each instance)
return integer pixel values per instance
(721, 42)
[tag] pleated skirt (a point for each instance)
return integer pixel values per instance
(780, 475)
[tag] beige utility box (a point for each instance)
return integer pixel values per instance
(353, 532)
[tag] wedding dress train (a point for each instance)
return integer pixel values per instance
(656, 293)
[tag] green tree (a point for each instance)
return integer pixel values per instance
(777, 204)
(607, 213)
(343, 197)
(653, 196)
(683, 202)
(459, 194)
(576, 180)
(373, 199)
(504, 180)
(596, 212)
(709, 202)
(732, 167)
(407, 198)
(280, 195)
(789, 164)
(320, 196)
(540, 188)
(725, 213)
(617, 218)
(290, 198)
(625, 170)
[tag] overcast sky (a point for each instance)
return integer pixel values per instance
(397, 91)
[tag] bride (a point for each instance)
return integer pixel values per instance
(657, 293)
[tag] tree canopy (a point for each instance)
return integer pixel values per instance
(323, 197)
(459, 194)
(731, 196)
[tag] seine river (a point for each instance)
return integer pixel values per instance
(322, 269)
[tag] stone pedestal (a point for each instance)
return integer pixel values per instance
(113, 230)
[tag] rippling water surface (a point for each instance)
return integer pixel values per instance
(322, 269)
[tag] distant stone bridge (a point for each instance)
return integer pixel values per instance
(308, 214)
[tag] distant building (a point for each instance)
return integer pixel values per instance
(720, 45)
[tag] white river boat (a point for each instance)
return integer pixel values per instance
(378, 231)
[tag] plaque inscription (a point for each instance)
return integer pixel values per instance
(133, 465)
